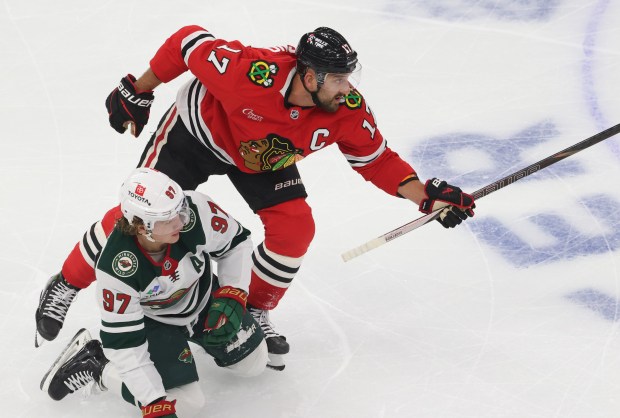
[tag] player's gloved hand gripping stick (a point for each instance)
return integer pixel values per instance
(486, 190)
(126, 106)
(460, 205)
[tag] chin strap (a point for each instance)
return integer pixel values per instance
(315, 97)
(313, 94)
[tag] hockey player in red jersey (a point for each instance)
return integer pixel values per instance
(252, 114)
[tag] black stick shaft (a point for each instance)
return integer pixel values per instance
(546, 162)
(486, 190)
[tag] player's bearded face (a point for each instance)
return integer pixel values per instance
(332, 91)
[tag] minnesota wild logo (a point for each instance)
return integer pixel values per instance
(186, 356)
(353, 100)
(125, 264)
(261, 73)
(192, 221)
(270, 154)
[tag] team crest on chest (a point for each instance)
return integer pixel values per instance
(261, 73)
(125, 264)
(270, 154)
(192, 221)
(353, 100)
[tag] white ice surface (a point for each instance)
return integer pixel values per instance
(514, 315)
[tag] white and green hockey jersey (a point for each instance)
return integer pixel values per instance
(131, 285)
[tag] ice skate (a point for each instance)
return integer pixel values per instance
(276, 343)
(79, 365)
(53, 305)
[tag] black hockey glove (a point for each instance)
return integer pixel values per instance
(461, 204)
(125, 104)
(225, 315)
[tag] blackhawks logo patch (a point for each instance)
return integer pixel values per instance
(261, 73)
(270, 154)
(186, 356)
(125, 264)
(353, 100)
(192, 221)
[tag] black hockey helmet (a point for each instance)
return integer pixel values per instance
(325, 51)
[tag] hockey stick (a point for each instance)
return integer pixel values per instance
(486, 190)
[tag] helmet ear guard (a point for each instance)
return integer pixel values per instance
(152, 196)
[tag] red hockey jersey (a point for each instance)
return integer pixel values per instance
(237, 108)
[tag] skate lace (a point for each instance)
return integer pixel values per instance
(262, 317)
(60, 299)
(79, 380)
(93, 388)
(89, 389)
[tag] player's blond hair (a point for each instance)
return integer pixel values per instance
(127, 228)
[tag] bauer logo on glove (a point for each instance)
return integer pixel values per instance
(126, 106)
(132, 98)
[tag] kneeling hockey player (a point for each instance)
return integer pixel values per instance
(156, 291)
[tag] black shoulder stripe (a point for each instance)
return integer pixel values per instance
(86, 246)
(191, 43)
(94, 239)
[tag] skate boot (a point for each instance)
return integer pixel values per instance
(53, 305)
(276, 343)
(79, 365)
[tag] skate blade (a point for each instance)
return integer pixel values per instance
(38, 339)
(276, 362)
(79, 340)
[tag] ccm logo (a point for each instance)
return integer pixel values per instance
(287, 183)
